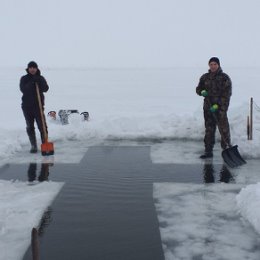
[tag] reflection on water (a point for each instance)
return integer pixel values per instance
(106, 209)
(225, 175)
(45, 221)
(43, 173)
(209, 173)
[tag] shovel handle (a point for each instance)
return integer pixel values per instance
(43, 121)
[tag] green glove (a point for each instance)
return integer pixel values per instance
(214, 108)
(204, 93)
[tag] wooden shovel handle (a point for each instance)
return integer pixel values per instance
(41, 112)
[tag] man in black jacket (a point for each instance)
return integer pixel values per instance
(30, 105)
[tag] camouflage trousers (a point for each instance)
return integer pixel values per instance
(212, 120)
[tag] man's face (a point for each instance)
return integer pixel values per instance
(213, 66)
(32, 70)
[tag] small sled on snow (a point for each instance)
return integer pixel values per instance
(65, 113)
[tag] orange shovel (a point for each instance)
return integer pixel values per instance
(47, 148)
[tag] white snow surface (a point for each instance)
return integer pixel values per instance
(200, 221)
(21, 208)
(155, 106)
(248, 201)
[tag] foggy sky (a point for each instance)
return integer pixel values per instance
(129, 33)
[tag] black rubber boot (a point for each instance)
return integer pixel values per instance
(206, 155)
(32, 138)
(34, 149)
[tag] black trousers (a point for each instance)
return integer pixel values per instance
(32, 115)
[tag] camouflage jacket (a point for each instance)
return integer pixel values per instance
(219, 88)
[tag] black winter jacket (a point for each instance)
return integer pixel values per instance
(28, 88)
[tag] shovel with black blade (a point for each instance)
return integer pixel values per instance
(230, 155)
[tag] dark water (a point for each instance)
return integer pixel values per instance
(106, 209)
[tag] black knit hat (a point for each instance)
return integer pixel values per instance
(214, 59)
(32, 64)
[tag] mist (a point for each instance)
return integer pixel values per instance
(123, 34)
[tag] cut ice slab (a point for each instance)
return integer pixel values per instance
(65, 152)
(232, 157)
(182, 152)
(21, 208)
(200, 221)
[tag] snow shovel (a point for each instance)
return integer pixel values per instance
(230, 155)
(47, 148)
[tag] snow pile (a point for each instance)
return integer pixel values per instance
(248, 201)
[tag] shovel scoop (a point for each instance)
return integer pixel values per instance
(47, 148)
(232, 157)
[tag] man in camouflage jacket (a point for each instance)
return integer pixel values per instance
(216, 88)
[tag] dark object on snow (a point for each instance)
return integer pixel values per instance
(64, 115)
(35, 244)
(71, 111)
(52, 114)
(47, 148)
(85, 115)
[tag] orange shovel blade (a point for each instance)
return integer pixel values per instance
(47, 148)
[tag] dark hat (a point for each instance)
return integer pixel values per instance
(214, 59)
(32, 64)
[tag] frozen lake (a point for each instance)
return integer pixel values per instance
(124, 200)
